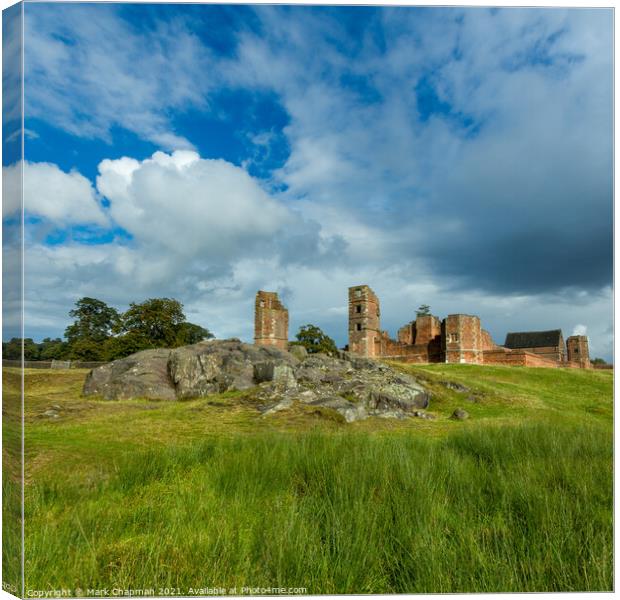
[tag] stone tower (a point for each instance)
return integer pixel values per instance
(364, 322)
(270, 321)
(462, 339)
(578, 351)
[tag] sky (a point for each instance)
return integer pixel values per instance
(456, 157)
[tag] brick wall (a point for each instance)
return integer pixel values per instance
(487, 340)
(550, 352)
(270, 321)
(406, 333)
(397, 350)
(426, 329)
(517, 358)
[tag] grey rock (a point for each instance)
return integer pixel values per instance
(219, 366)
(299, 352)
(457, 387)
(224, 365)
(460, 415)
(306, 396)
(280, 373)
(354, 387)
(322, 369)
(349, 410)
(367, 364)
(141, 375)
(391, 414)
(278, 406)
(406, 396)
(51, 413)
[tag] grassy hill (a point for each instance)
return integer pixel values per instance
(203, 493)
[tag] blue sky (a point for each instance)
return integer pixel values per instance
(459, 157)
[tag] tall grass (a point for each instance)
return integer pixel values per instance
(524, 508)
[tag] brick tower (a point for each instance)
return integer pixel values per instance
(270, 321)
(462, 339)
(578, 351)
(426, 328)
(364, 322)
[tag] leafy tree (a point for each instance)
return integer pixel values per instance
(12, 350)
(423, 310)
(598, 361)
(94, 321)
(86, 349)
(123, 345)
(53, 349)
(156, 321)
(314, 340)
(188, 333)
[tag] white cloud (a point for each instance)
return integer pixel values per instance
(535, 175)
(88, 71)
(61, 198)
(580, 329)
(12, 43)
(191, 208)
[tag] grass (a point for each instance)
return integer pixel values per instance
(204, 493)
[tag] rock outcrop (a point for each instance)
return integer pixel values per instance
(141, 375)
(354, 387)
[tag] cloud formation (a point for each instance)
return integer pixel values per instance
(504, 183)
(198, 216)
(89, 71)
(456, 157)
(60, 198)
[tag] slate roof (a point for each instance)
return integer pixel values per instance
(534, 339)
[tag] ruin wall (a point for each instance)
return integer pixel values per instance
(270, 321)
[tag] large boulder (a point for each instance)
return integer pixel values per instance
(354, 387)
(141, 375)
(223, 365)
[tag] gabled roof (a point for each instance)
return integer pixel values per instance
(534, 339)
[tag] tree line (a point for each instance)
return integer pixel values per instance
(101, 333)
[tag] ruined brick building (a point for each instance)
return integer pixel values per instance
(270, 321)
(458, 338)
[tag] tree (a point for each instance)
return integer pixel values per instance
(314, 340)
(12, 349)
(155, 320)
(53, 349)
(86, 349)
(599, 361)
(123, 345)
(94, 321)
(188, 333)
(423, 310)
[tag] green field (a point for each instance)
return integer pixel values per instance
(208, 493)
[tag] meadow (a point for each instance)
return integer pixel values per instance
(177, 497)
